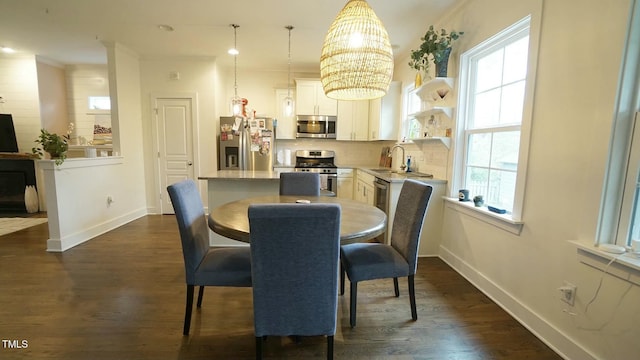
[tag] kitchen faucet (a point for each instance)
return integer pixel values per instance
(402, 166)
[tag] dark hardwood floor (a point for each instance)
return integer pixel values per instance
(121, 296)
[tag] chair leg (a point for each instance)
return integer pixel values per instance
(200, 295)
(395, 286)
(352, 311)
(412, 298)
(330, 347)
(187, 312)
(341, 279)
(258, 347)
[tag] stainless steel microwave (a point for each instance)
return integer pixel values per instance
(316, 126)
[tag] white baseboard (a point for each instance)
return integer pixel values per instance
(543, 330)
(84, 235)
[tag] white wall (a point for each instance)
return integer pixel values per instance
(78, 190)
(579, 57)
(19, 90)
(52, 92)
(214, 87)
(126, 114)
(196, 76)
(84, 81)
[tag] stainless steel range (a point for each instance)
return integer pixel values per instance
(322, 162)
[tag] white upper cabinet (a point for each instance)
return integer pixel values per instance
(384, 114)
(311, 100)
(367, 120)
(353, 120)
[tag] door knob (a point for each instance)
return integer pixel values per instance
(189, 162)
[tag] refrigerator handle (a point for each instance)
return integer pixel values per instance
(274, 147)
(244, 146)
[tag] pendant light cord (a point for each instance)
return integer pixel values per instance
(289, 27)
(235, 60)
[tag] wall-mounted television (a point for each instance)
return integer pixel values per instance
(8, 141)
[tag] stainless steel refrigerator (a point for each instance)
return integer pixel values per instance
(246, 143)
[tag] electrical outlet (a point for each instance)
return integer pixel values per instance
(568, 293)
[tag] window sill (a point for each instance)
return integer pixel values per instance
(502, 221)
(625, 266)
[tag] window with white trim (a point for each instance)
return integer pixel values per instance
(493, 118)
(629, 227)
(412, 104)
(619, 220)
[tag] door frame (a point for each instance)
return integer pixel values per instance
(195, 143)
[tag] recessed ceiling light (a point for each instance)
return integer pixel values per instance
(7, 50)
(165, 27)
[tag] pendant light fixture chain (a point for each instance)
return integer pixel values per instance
(289, 27)
(235, 59)
(237, 103)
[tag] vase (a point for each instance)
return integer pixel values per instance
(441, 65)
(53, 155)
(418, 80)
(31, 199)
(478, 200)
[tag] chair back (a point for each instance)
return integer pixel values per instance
(192, 224)
(409, 216)
(295, 250)
(300, 183)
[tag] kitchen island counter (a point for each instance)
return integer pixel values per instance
(243, 175)
(225, 186)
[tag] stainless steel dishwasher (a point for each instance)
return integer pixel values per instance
(381, 201)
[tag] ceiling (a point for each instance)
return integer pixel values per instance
(73, 31)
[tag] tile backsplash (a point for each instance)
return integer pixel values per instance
(431, 158)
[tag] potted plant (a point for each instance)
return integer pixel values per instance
(53, 144)
(436, 47)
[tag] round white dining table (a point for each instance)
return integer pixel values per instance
(359, 221)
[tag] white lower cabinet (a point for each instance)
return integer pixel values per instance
(345, 183)
(365, 189)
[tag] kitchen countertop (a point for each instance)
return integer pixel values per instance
(400, 176)
(275, 175)
(242, 174)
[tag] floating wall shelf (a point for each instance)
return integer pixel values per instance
(426, 114)
(437, 91)
(444, 140)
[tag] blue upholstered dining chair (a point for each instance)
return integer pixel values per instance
(300, 183)
(368, 261)
(295, 249)
(204, 265)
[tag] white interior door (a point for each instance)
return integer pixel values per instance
(174, 120)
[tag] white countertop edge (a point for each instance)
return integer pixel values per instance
(71, 163)
(241, 175)
(400, 177)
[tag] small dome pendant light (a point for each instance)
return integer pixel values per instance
(288, 104)
(236, 101)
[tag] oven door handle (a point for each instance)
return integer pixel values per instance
(381, 186)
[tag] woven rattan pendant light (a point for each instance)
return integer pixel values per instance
(357, 60)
